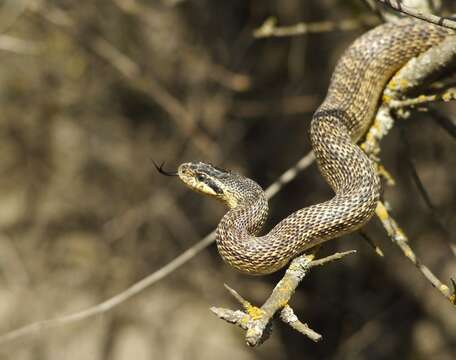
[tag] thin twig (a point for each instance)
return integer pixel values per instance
(288, 316)
(218, 73)
(445, 123)
(18, 46)
(371, 243)
(115, 300)
(447, 95)
(399, 238)
(417, 180)
(135, 77)
(397, 5)
(413, 75)
(270, 29)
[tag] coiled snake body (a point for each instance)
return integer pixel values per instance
(353, 95)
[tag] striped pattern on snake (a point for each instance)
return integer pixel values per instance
(349, 107)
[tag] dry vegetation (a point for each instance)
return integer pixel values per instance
(91, 91)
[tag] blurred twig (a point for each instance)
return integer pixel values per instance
(446, 123)
(132, 72)
(14, 268)
(270, 29)
(10, 12)
(218, 73)
(18, 46)
(116, 300)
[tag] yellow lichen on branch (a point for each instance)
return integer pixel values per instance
(257, 320)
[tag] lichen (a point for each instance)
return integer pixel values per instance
(255, 312)
(381, 212)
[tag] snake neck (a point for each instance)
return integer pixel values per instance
(236, 232)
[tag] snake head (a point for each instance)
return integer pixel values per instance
(224, 185)
(203, 178)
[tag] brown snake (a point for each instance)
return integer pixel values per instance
(349, 107)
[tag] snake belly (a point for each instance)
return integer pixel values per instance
(344, 116)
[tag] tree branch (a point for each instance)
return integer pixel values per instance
(256, 321)
(394, 98)
(270, 29)
(398, 5)
(397, 235)
(420, 71)
(412, 77)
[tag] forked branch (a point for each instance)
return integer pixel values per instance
(256, 321)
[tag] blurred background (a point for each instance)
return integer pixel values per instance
(92, 91)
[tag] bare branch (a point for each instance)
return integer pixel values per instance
(18, 46)
(115, 300)
(397, 5)
(270, 28)
(419, 71)
(256, 321)
(411, 77)
(135, 78)
(446, 123)
(371, 243)
(399, 238)
(288, 316)
(424, 67)
(290, 174)
(436, 216)
(225, 77)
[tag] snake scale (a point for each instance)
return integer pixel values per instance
(341, 120)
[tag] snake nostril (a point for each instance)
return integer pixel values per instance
(182, 169)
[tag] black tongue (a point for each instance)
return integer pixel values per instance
(163, 171)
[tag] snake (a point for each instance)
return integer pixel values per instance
(337, 125)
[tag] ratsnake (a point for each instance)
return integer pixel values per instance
(341, 120)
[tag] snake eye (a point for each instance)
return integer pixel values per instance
(201, 177)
